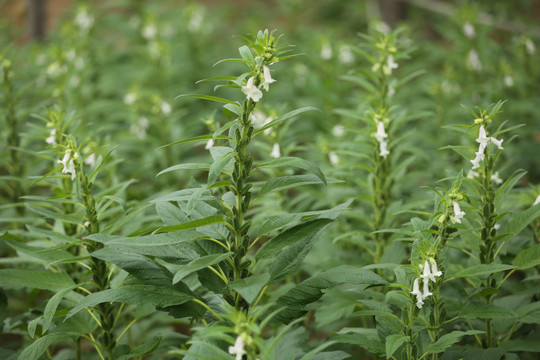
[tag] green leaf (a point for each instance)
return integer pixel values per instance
(139, 266)
(217, 167)
(480, 269)
(528, 258)
(198, 264)
(282, 118)
(46, 256)
(521, 345)
(294, 301)
(214, 219)
(521, 220)
(189, 166)
(38, 347)
(393, 342)
(208, 97)
(286, 182)
(196, 138)
(18, 278)
(485, 311)
(250, 287)
(448, 340)
(306, 230)
(530, 314)
(135, 295)
(366, 338)
(52, 305)
(246, 54)
(296, 162)
(143, 349)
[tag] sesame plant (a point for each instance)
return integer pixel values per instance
(299, 202)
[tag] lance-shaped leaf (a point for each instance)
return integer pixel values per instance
(293, 302)
(19, 278)
(296, 162)
(38, 347)
(448, 340)
(289, 181)
(480, 269)
(306, 230)
(250, 287)
(198, 264)
(135, 295)
(528, 258)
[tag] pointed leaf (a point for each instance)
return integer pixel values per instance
(250, 287)
(198, 264)
(19, 278)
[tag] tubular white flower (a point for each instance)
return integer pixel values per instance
(468, 30)
(381, 134)
(498, 143)
(418, 294)
(165, 107)
(427, 275)
(473, 61)
(434, 271)
(482, 139)
(383, 150)
(209, 144)
(537, 201)
(251, 90)
(149, 32)
(69, 165)
(326, 52)
(496, 179)
(275, 151)
(426, 289)
(338, 130)
(52, 137)
(267, 78)
(238, 348)
(390, 65)
(334, 159)
(458, 214)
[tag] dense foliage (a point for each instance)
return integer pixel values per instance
(334, 189)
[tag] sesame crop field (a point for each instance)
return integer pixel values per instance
(270, 180)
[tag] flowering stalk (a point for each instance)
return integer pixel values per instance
(100, 270)
(485, 161)
(239, 239)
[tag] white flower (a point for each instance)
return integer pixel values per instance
(196, 19)
(346, 55)
(86, 223)
(149, 32)
(472, 174)
(69, 165)
(140, 127)
(326, 51)
(52, 137)
(380, 135)
(498, 143)
(251, 90)
(434, 270)
(334, 159)
(70, 55)
(130, 98)
(508, 81)
(338, 130)
(482, 139)
(496, 179)
(267, 78)
(275, 151)
(390, 65)
(468, 30)
(496, 226)
(458, 214)
(537, 201)
(84, 20)
(238, 348)
(209, 144)
(165, 107)
(383, 150)
(382, 27)
(91, 160)
(476, 161)
(426, 289)
(427, 275)
(529, 45)
(418, 294)
(473, 61)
